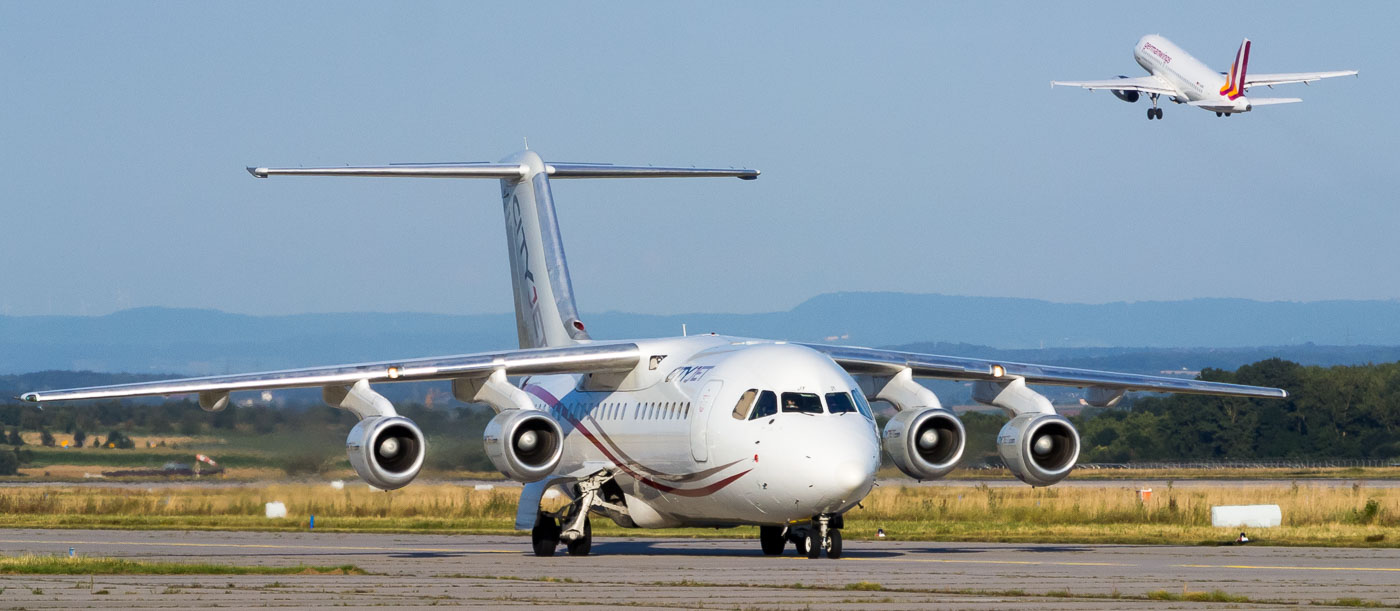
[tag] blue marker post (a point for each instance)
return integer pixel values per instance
(313, 524)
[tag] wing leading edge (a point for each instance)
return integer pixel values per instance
(872, 361)
(587, 358)
(1145, 84)
(1283, 78)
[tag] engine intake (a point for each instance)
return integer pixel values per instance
(925, 444)
(524, 444)
(387, 452)
(1039, 449)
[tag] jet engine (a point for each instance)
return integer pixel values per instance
(924, 444)
(387, 452)
(1039, 449)
(1126, 96)
(524, 444)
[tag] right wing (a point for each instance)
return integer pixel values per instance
(1145, 84)
(1284, 78)
(583, 358)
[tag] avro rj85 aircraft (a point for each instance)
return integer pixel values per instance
(701, 430)
(1185, 80)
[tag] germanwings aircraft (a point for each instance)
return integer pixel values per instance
(700, 430)
(1185, 80)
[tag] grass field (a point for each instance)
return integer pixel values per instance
(1312, 515)
(85, 565)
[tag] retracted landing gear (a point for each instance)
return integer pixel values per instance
(824, 534)
(570, 524)
(1154, 112)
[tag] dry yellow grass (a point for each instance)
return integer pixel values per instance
(34, 438)
(1312, 515)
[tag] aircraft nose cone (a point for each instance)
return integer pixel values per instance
(850, 477)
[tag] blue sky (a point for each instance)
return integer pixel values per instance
(905, 147)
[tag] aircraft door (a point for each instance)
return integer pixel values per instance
(700, 421)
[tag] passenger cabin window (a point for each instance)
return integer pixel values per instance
(802, 403)
(839, 403)
(767, 405)
(741, 409)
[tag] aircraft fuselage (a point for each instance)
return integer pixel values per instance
(684, 457)
(1193, 80)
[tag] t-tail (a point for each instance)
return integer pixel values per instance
(1234, 82)
(545, 313)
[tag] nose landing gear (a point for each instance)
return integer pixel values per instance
(822, 535)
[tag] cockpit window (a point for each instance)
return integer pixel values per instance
(767, 405)
(802, 402)
(839, 403)
(741, 409)
(863, 405)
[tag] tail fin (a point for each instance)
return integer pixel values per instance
(545, 314)
(1234, 82)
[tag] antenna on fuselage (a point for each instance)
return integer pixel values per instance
(683, 333)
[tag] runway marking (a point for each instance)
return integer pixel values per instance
(1288, 568)
(271, 546)
(1015, 562)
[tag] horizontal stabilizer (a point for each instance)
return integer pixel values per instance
(1253, 101)
(430, 170)
(603, 170)
(508, 171)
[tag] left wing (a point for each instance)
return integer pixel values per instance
(1145, 84)
(585, 358)
(1284, 78)
(872, 361)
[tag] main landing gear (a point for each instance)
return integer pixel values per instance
(1154, 112)
(822, 535)
(570, 525)
(1223, 114)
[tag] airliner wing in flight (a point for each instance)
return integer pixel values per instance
(871, 361)
(1284, 78)
(584, 358)
(1145, 84)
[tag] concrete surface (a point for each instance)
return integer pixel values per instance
(495, 571)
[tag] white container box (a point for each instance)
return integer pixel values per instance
(1241, 516)
(276, 509)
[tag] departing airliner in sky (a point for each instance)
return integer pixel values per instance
(1185, 80)
(700, 430)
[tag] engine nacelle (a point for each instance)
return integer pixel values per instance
(1126, 96)
(387, 452)
(524, 444)
(924, 444)
(1039, 449)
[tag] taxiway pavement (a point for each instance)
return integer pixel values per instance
(495, 571)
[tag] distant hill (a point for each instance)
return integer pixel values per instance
(187, 341)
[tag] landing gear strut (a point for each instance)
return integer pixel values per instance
(572, 526)
(824, 534)
(1154, 112)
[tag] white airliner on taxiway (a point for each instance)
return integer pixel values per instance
(1185, 80)
(704, 430)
